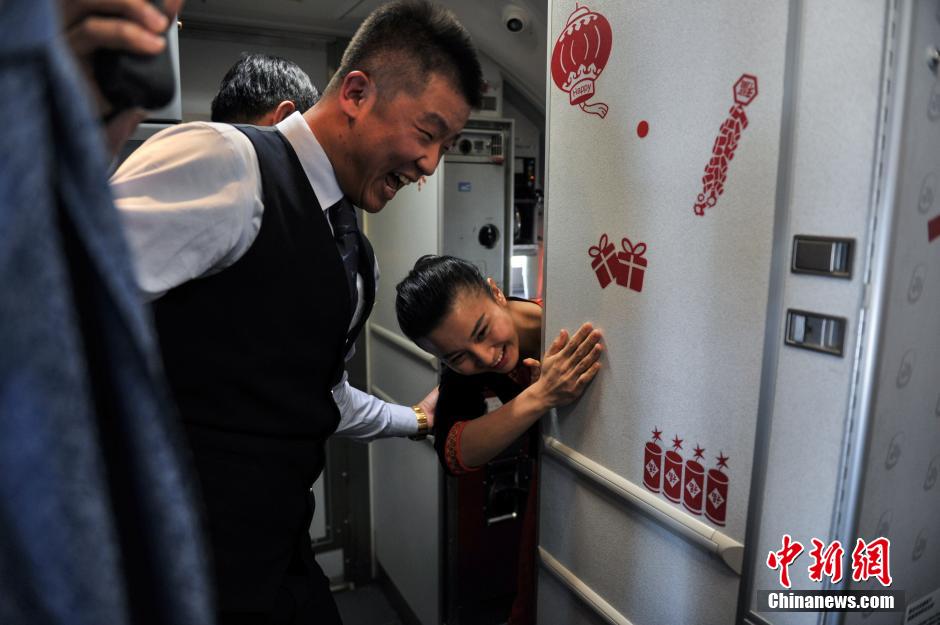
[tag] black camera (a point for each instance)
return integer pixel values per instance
(130, 80)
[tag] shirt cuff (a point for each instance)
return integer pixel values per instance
(404, 421)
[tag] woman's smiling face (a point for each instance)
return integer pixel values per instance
(477, 334)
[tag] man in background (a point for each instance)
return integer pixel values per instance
(262, 89)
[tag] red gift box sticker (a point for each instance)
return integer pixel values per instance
(716, 170)
(633, 264)
(606, 265)
(653, 462)
(580, 55)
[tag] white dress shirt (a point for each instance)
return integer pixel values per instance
(191, 201)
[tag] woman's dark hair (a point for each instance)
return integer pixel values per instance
(428, 292)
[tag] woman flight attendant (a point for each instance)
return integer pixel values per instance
(491, 344)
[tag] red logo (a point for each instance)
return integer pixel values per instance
(716, 171)
(869, 559)
(580, 55)
(784, 558)
(827, 560)
(872, 560)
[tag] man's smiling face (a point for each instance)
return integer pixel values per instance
(401, 138)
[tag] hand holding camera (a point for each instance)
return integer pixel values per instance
(121, 48)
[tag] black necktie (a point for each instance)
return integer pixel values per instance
(346, 233)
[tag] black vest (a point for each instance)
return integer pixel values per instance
(252, 354)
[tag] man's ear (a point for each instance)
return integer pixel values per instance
(497, 293)
(357, 94)
(283, 110)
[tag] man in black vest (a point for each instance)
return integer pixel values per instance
(247, 239)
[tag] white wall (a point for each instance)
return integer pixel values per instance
(406, 478)
(526, 133)
(204, 61)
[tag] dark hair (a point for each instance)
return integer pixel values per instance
(401, 43)
(256, 84)
(428, 292)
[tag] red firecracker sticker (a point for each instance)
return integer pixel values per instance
(672, 472)
(716, 171)
(685, 481)
(694, 482)
(653, 462)
(716, 488)
(933, 229)
(580, 55)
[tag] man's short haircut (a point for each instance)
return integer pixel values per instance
(401, 43)
(256, 84)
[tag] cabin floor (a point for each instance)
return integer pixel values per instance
(366, 605)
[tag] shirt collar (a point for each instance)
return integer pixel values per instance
(313, 159)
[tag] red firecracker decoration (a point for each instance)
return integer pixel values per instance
(716, 489)
(716, 171)
(672, 472)
(653, 462)
(693, 485)
(933, 229)
(580, 55)
(633, 265)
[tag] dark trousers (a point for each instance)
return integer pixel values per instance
(301, 600)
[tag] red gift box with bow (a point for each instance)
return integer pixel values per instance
(605, 264)
(632, 263)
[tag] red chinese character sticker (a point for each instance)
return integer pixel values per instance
(726, 143)
(827, 560)
(872, 560)
(784, 558)
(580, 55)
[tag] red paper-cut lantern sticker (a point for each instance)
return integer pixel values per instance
(716, 171)
(653, 462)
(580, 55)
(642, 129)
(716, 487)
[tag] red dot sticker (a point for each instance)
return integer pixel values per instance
(642, 129)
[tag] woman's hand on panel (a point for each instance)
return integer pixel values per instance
(569, 366)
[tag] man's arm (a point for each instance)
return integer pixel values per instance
(190, 200)
(366, 417)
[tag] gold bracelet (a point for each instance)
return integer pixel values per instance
(423, 428)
